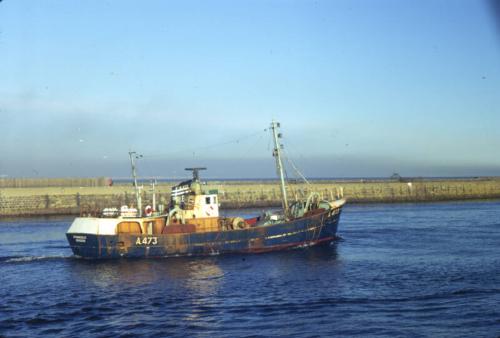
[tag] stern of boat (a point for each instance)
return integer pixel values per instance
(86, 234)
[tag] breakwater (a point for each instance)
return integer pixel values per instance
(239, 194)
(54, 182)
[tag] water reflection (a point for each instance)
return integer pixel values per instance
(187, 284)
(193, 273)
(204, 276)
(200, 278)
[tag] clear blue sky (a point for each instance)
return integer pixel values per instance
(362, 88)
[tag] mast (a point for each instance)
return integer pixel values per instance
(153, 190)
(279, 164)
(133, 155)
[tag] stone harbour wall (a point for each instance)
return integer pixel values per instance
(54, 182)
(242, 194)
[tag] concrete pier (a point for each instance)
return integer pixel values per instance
(242, 194)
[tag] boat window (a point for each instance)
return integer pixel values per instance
(129, 227)
(207, 200)
(215, 200)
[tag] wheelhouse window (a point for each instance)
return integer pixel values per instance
(207, 200)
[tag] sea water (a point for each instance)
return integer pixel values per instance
(406, 270)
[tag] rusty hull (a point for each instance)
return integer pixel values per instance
(306, 231)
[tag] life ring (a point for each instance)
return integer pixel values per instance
(148, 210)
(209, 212)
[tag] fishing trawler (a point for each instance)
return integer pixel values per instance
(192, 225)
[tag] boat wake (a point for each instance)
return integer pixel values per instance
(57, 247)
(29, 259)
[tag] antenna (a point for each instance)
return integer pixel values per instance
(133, 156)
(153, 190)
(196, 175)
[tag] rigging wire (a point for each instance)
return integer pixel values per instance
(261, 134)
(252, 146)
(297, 171)
(287, 180)
(292, 163)
(294, 189)
(197, 149)
(269, 140)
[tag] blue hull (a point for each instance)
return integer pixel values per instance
(301, 232)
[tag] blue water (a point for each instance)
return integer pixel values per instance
(405, 270)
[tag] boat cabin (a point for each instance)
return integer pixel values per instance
(192, 201)
(191, 205)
